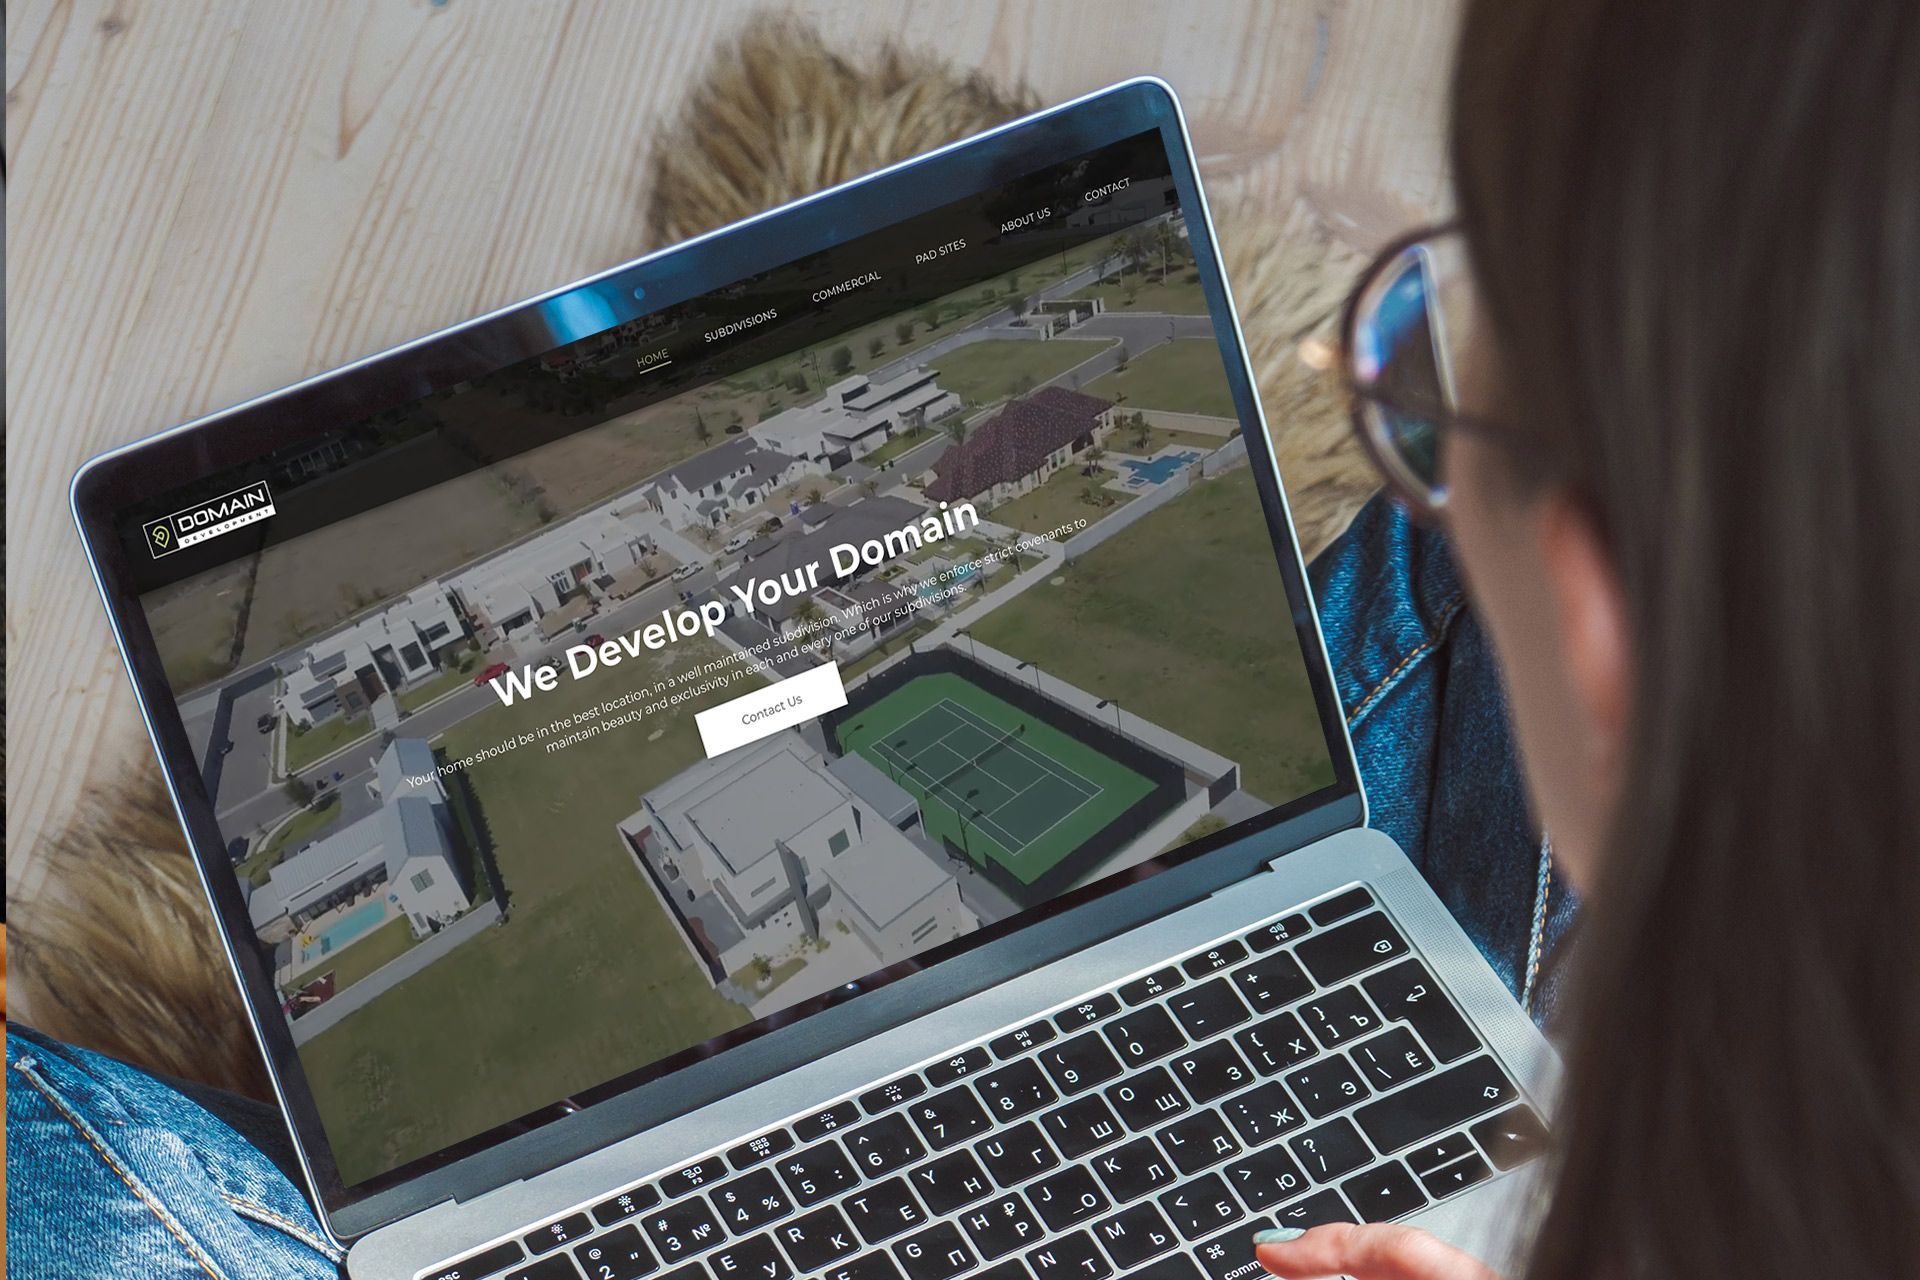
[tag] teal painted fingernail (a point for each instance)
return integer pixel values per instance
(1277, 1235)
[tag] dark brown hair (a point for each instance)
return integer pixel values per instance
(1696, 227)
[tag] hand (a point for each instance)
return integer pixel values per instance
(1369, 1253)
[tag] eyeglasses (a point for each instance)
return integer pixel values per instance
(1403, 337)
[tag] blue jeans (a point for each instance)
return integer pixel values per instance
(112, 1172)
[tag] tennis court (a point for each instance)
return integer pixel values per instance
(998, 783)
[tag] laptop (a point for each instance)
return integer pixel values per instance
(810, 754)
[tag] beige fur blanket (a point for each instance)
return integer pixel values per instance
(122, 956)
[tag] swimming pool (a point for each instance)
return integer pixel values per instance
(362, 919)
(1158, 471)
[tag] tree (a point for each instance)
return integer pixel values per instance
(1141, 431)
(930, 317)
(903, 331)
(700, 427)
(957, 429)
(806, 613)
(1120, 361)
(1163, 240)
(298, 790)
(1021, 304)
(875, 345)
(797, 382)
(708, 535)
(815, 496)
(870, 486)
(1093, 457)
(841, 361)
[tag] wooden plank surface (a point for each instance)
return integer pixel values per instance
(208, 200)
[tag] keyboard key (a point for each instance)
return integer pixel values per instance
(877, 1265)
(1269, 936)
(1011, 1269)
(1339, 1016)
(1073, 1257)
(683, 1229)
(691, 1271)
(1391, 1058)
(1214, 959)
(1511, 1138)
(1144, 1035)
(949, 1118)
(1015, 1043)
(1201, 1207)
(1017, 1089)
(1001, 1226)
(485, 1263)
(883, 1210)
(1340, 906)
(1080, 1063)
(1208, 1009)
(694, 1176)
(1331, 1151)
(554, 1268)
(755, 1150)
(554, 1234)
(838, 1116)
(1133, 1170)
(1408, 991)
(945, 1184)
(1067, 1197)
(628, 1204)
(1174, 1266)
(960, 1064)
(1319, 1208)
(891, 1094)
(1157, 983)
(1263, 1178)
(1263, 1114)
(1436, 1104)
(1276, 1044)
(1380, 1195)
(1198, 1140)
(883, 1146)
(750, 1259)
(1458, 1176)
(1229, 1255)
(750, 1202)
(1271, 981)
(817, 1173)
(1327, 1086)
(1083, 1125)
(1211, 1071)
(1087, 1012)
(1435, 1154)
(938, 1253)
(1147, 1099)
(1134, 1235)
(1016, 1154)
(815, 1239)
(1339, 953)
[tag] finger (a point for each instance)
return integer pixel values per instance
(1369, 1253)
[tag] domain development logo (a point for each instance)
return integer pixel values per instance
(205, 520)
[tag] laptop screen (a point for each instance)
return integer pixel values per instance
(577, 719)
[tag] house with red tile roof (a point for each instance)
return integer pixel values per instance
(1020, 446)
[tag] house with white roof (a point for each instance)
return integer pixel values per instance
(530, 580)
(711, 488)
(857, 415)
(350, 670)
(765, 849)
(403, 850)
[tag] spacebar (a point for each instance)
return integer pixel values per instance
(1437, 1104)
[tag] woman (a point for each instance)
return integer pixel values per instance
(1678, 471)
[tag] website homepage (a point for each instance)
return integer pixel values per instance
(577, 715)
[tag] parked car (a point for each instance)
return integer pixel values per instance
(595, 640)
(686, 571)
(770, 525)
(265, 723)
(740, 540)
(493, 672)
(237, 850)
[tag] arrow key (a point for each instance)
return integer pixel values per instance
(1458, 1176)
(1512, 1137)
(1384, 1193)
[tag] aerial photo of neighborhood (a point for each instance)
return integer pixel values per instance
(539, 923)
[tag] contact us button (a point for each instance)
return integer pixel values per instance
(797, 699)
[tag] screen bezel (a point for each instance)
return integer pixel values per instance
(147, 469)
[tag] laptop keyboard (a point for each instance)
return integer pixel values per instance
(1308, 1071)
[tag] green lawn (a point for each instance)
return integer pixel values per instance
(363, 955)
(1060, 499)
(585, 980)
(1182, 376)
(893, 644)
(300, 828)
(1124, 440)
(899, 445)
(1178, 296)
(1181, 619)
(985, 372)
(426, 691)
(307, 746)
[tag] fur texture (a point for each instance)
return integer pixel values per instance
(121, 954)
